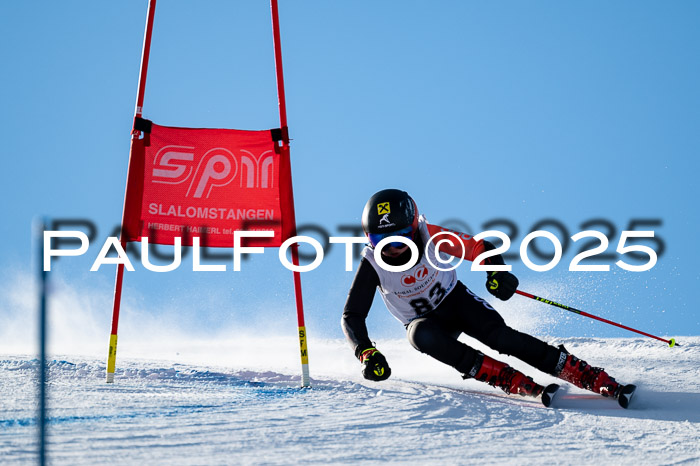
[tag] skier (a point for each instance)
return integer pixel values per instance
(436, 308)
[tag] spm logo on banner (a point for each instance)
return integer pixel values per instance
(216, 168)
(227, 180)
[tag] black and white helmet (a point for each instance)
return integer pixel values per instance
(390, 212)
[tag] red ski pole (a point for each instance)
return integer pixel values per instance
(671, 342)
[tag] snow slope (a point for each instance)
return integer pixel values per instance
(251, 411)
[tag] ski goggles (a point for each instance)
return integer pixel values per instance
(407, 232)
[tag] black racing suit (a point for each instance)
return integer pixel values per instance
(436, 333)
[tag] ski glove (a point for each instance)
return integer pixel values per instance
(374, 365)
(501, 284)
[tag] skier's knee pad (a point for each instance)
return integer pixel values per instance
(423, 335)
(429, 337)
(426, 334)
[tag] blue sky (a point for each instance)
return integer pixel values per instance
(481, 110)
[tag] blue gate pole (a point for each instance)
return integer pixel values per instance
(43, 275)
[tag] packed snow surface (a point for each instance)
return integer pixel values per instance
(250, 410)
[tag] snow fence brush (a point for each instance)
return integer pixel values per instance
(671, 343)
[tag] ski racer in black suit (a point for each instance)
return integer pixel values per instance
(436, 308)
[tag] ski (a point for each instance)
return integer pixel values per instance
(626, 394)
(548, 394)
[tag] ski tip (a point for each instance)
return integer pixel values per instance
(626, 395)
(548, 394)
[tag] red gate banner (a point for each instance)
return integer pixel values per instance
(207, 183)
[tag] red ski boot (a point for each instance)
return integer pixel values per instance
(501, 375)
(583, 375)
